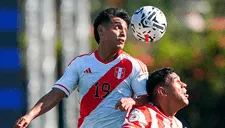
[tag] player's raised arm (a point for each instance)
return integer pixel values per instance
(46, 103)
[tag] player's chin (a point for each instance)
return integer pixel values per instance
(185, 102)
(120, 46)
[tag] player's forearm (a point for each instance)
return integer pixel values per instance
(141, 100)
(41, 107)
(38, 110)
(46, 103)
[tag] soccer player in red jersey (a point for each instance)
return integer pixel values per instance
(107, 78)
(167, 95)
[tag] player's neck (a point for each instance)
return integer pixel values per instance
(108, 54)
(166, 109)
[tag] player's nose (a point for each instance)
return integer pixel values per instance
(122, 33)
(184, 85)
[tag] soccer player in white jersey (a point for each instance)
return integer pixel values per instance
(167, 95)
(107, 78)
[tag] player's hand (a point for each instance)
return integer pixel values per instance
(23, 122)
(125, 104)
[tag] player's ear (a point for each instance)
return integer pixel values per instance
(161, 91)
(101, 29)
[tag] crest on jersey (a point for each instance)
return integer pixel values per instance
(119, 72)
(134, 117)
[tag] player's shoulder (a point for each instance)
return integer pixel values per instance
(81, 57)
(147, 110)
(136, 62)
(143, 107)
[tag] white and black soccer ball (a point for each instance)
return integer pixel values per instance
(148, 24)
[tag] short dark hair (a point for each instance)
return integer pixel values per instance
(155, 78)
(105, 17)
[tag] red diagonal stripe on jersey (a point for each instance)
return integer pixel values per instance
(160, 120)
(159, 116)
(89, 102)
(148, 116)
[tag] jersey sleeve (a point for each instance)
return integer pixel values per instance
(68, 82)
(138, 83)
(136, 119)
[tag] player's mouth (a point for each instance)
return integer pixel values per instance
(186, 95)
(121, 40)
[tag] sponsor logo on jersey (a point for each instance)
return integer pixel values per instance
(119, 72)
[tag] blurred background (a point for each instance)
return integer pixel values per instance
(40, 37)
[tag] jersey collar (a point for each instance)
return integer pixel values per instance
(103, 61)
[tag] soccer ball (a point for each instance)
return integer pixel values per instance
(148, 24)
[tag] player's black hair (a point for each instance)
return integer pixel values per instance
(155, 78)
(105, 17)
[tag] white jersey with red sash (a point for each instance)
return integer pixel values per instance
(149, 116)
(101, 85)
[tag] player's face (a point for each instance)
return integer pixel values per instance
(115, 33)
(177, 91)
